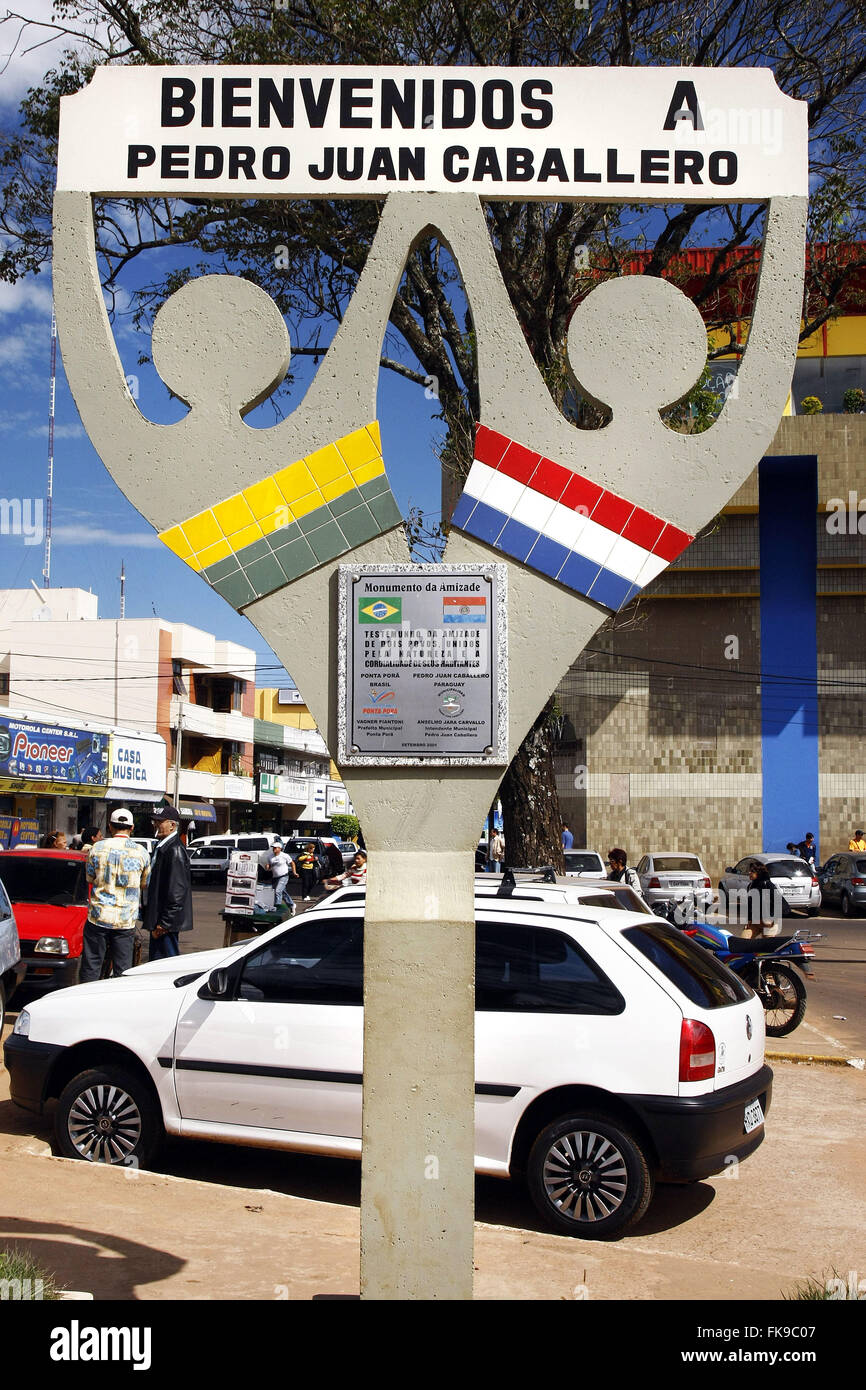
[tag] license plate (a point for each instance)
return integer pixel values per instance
(754, 1117)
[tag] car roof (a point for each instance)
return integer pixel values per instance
(660, 853)
(768, 858)
(25, 851)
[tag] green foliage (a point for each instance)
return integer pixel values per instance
(345, 827)
(854, 400)
(810, 405)
(18, 1264)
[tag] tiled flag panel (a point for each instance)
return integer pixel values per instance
(562, 524)
(307, 514)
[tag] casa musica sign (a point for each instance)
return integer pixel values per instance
(612, 134)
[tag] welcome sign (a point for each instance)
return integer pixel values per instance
(611, 134)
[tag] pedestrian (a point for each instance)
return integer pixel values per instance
(567, 838)
(858, 843)
(356, 872)
(117, 872)
(619, 871)
(55, 839)
(807, 850)
(90, 836)
(281, 866)
(765, 904)
(305, 864)
(168, 909)
(496, 852)
(792, 848)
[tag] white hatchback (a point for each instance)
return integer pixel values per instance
(610, 1051)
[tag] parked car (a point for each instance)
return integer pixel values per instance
(611, 1052)
(546, 886)
(583, 863)
(209, 862)
(675, 877)
(348, 849)
(843, 883)
(252, 840)
(794, 879)
(49, 893)
(11, 966)
(147, 842)
(329, 858)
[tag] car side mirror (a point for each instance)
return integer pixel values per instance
(219, 984)
(728, 869)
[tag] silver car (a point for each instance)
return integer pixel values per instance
(843, 883)
(675, 877)
(794, 878)
(11, 969)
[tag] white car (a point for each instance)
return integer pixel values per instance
(610, 1052)
(672, 876)
(583, 863)
(795, 879)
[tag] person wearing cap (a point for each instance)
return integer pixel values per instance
(857, 843)
(117, 872)
(168, 909)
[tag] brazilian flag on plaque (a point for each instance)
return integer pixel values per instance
(375, 609)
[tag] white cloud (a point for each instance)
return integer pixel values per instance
(98, 535)
(30, 295)
(14, 348)
(70, 431)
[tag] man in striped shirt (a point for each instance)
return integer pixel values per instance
(117, 872)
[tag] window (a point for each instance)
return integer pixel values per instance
(694, 971)
(317, 962)
(676, 864)
(40, 879)
(577, 862)
(860, 866)
(177, 679)
(789, 868)
(521, 969)
(4, 682)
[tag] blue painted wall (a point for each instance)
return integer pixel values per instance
(788, 502)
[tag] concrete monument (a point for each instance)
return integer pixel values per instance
(579, 520)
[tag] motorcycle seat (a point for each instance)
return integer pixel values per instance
(758, 945)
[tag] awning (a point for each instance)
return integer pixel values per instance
(123, 794)
(193, 810)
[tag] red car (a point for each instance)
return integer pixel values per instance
(49, 892)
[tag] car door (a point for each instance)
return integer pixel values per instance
(830, 878)
(284, 1052)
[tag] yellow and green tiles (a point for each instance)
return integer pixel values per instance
(307, 514)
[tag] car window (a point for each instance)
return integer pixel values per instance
(317, 962)
(694, 971)
(54, 882)
(676, 864)
(252, 842)
(522, 969)
(577, 863)
(601, 900)
(230, 842)
(642, 866)
(789, 868)
(5, 905)
(743, 866)
(861, 866)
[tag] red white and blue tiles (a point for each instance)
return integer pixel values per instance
(562, 524)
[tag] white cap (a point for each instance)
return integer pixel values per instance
(121, 817)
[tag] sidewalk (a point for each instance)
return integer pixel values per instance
(127, 1235)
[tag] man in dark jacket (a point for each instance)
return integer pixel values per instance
(168, 909)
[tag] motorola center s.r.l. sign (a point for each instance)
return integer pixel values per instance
(292, 523)
(638, 134)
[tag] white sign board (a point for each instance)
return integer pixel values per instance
(615, 134)
(136, 768)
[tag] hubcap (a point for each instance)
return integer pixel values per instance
(104, 1124)
(585, 1176)
(781, 999)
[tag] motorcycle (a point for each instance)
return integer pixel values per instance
(768, 964)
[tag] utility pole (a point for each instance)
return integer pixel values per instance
(122, 591)
(46, 564)
(178, 744)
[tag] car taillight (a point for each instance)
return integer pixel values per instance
(815, 881)
(707, 882)
(697, 1051)
(855, 882)
(654, 883)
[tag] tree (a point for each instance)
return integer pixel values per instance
(550, 255)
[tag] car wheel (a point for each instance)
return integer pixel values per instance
(108, 1115)
(846, 906)
(812, 911)
(588, 1176)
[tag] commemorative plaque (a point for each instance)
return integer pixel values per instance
(422, 675)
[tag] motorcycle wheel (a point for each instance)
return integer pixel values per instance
(783, 996)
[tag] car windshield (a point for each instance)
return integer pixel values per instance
(694, 971)
(788, 868)
(578, 863)
(42, 879)
(861, 866)
(676, 864)
(208, 852)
